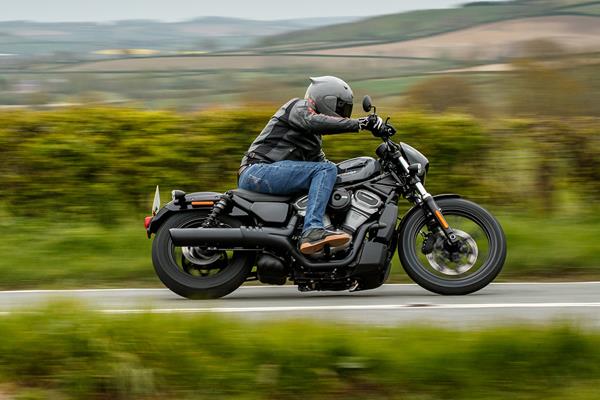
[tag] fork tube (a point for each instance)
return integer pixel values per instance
(436, 212)
(431, 205)
(422, 191)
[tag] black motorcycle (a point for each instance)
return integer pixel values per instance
(207, 244)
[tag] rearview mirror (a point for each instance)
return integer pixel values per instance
(367, 104)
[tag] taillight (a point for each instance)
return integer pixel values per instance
(147, 221)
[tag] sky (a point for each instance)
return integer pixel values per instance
(178, 10)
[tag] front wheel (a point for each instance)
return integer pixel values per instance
(464, 269)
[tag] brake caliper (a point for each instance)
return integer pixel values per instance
(428, 243)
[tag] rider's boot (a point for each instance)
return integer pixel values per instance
(314, 240)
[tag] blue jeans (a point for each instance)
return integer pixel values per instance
(288, 177)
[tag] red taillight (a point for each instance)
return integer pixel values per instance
(147, 221)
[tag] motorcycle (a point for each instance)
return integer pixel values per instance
(207, 244)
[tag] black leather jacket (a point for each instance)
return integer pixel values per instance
(294, 133)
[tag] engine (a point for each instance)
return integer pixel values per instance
(345, 210)
(362, 206)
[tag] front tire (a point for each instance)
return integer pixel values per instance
(486, 251)
(175, 271)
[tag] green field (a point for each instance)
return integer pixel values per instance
(189, 79)
(63, 352)
(79, 254)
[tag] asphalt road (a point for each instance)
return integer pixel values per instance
(501, 303)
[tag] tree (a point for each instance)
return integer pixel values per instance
(444, 93)
(538, 89)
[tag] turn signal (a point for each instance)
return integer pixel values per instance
(202, 203)
(147, 221)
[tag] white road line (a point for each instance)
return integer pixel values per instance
(83, 290)
(373, 307)
(259, 287)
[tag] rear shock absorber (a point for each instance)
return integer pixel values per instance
(217, 209)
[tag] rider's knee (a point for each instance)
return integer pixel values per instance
(329, 167)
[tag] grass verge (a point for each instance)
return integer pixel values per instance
(66, 352)
(63, 255)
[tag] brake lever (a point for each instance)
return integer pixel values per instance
(391, 129)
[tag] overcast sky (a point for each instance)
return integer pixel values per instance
(177, 10)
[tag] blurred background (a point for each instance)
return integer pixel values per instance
(100, 105)
(102, 101)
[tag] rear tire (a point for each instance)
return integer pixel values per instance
(197, 287)
(422, 274)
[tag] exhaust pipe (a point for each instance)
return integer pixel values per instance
(276, 238)
(242, 237)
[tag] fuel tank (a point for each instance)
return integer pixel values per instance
(357, 169)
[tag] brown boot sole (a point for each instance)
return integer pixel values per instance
(333, 241)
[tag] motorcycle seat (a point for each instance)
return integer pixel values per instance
(260, 197)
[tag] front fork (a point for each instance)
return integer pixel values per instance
(435, 211)
(428, 202)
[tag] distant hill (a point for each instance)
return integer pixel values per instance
(423, 23)
(201, 34)
(551, 35)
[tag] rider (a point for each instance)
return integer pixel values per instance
(287, 157)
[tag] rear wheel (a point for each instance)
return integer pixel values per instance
(196, 272)
(470, 266)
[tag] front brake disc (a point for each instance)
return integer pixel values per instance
(457, 262)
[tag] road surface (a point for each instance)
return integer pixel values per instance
(501, 303)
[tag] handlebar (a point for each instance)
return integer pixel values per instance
(385, 131)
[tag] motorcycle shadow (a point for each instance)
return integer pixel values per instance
(290, 292)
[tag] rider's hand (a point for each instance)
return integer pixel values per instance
(363, 123)
(384, 131)
(371, 123)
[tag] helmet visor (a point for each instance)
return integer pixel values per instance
(343, 109)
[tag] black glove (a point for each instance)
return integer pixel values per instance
(371, 123)
(385, 130)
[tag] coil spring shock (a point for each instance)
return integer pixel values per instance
(217, 209)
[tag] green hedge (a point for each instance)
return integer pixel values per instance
(63, 352)
(104, 163)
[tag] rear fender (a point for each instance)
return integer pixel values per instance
(193, 202)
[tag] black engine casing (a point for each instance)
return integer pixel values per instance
(271, 270)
